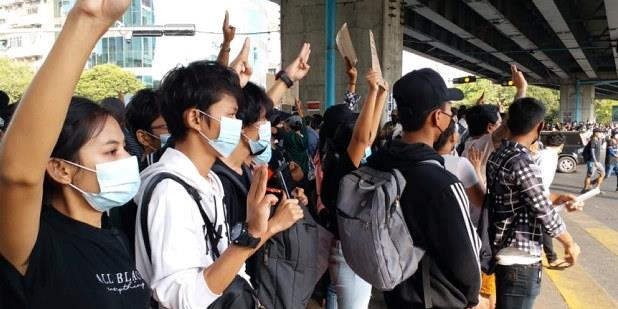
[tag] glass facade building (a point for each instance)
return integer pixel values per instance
(135, 54)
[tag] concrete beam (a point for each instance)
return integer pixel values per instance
(611, 11)
(438, 44)
(554, 18)
(485, 9)
(427, 12)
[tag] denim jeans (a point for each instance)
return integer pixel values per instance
(517, 286)
(352, 291)
(609, 168)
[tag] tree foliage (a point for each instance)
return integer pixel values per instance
(503, 96)
(14, 77)
(603, 110)
(107, 80)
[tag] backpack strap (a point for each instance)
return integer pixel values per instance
(426, 265)
(212, 235)
(222, 171)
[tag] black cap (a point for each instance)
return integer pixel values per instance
(423, 90)
(598, 130)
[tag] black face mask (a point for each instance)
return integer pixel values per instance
(446, 133)
(395, 119)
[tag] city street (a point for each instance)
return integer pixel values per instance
(592, 283)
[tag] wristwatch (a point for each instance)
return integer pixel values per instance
(240, 236)
(284, 78)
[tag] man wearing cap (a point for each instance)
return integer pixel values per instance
(433, 202)
(594, 161)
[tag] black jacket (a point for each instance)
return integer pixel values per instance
(435, 208)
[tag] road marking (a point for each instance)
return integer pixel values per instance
(576, 286)
(579, 289)
(600, 232)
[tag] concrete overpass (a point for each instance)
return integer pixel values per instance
(564, 44)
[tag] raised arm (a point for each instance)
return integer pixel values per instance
(241, 64)
(38, 120)
(361, 137)
(520, 82)
(352, 75)
(296, 71)
(377, 112)
(228, 36)
(299, 107)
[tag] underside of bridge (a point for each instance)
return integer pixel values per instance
(563, 44)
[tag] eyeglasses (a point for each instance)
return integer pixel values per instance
(445, 113)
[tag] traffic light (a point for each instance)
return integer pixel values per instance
(464, 80)
(507, 82)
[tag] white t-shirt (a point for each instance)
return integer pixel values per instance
(462, 168)
(547, 160)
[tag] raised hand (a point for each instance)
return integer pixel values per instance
(374, 79)
(287, 213)
(241, 64)
(474, 156)
(228, 31)
(107, 11)
(299, 68)
(519, 81)
(351, 70)
(259, 203)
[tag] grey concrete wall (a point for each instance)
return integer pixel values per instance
(568, 99)
(304, 20)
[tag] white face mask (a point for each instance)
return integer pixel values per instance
(119, 182)
(229, 135)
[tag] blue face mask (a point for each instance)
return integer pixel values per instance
(368, 153)
(229, 135)
(164, 138)
(260, 149)
(118, 181)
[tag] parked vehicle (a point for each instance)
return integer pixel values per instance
(571, 154)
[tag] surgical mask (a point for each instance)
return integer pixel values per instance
(118, 181)
(261, 149)
(368, 153)
(229, 135)
(264, 134)
(163, 138)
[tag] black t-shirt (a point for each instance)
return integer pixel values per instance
(235, 198)
(75, 265)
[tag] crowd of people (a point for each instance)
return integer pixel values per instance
(200, 194)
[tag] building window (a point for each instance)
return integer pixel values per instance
(33, 10)
(15, 42)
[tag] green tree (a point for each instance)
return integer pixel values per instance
(14, 77)
(107, 80)
(503, 96)
(603, 110)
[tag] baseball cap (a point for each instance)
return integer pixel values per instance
(423, 90)
(295, 120)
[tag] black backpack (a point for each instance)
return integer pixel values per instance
(283, 271)
(239, 294)
(587, 152)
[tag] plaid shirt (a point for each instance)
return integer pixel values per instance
(351, 99)
(517, 204)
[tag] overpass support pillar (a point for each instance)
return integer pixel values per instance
(577, 102)
(306, 21)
